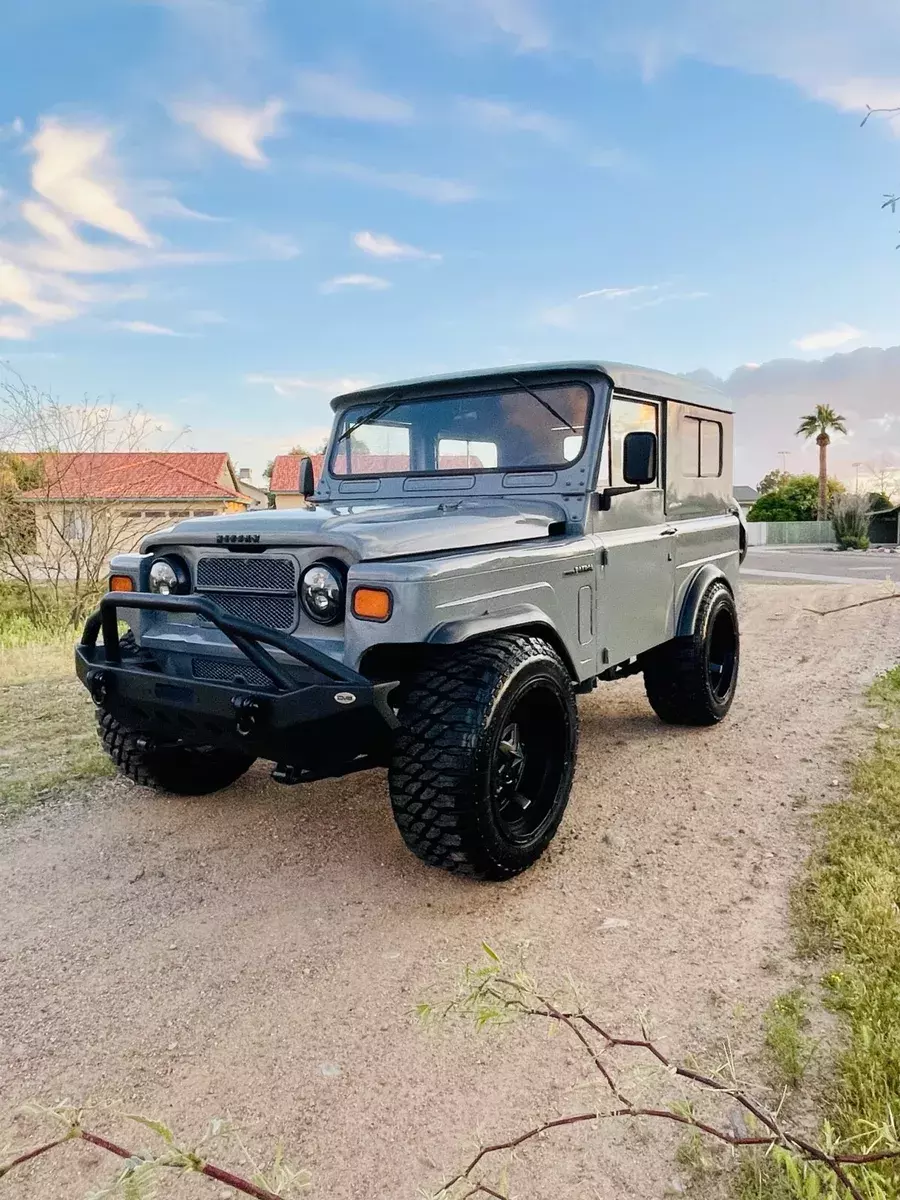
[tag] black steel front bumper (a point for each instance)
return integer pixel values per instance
(323, 719)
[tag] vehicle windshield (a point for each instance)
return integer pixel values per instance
(521, 429)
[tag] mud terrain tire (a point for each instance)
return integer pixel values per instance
(485, 755)
(691, 680)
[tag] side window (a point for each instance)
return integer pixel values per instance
(702, 448)
(626, 416)
(710, 448)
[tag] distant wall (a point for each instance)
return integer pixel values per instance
(789, 533)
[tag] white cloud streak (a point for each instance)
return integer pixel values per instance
(382, 245)
(291, 385)
(234, 128)
(331, 94)
(498, 116)
(829, 339)
(519, 22)
(371, 283)
(423, 187)
(147, 327)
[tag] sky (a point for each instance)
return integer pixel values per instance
(226, 211)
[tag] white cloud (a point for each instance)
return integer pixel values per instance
(15, 329)
(237, 129)
(70, 170)
(424, 187)
(829, 339)
(290, 385)
(382, 245)
(617, 293)
(572, 313)
(373, 283)
(147, 327)
(13, 129)
(45, 257)
(843, 53)
(170, 206)
(329, 94)
(498, 116)
(518, 21)
(206, 316)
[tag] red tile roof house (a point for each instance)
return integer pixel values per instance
(285, 482)
(121, 497)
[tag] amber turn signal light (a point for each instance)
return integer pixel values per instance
(121, 583)
(372, 604)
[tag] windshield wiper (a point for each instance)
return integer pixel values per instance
(549, 407)
(380, 410)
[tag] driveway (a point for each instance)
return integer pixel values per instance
(257, 954)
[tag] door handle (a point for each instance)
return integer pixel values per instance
(668, 532)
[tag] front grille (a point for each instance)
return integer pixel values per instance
(254, 587)
(254, 573)
(278, 612)
(217, 671)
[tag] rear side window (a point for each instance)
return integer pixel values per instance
(702, 448)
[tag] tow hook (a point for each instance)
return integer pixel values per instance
(249, 711)
(98, 685)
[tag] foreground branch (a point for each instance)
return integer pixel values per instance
(180, 1160)
(495, 994)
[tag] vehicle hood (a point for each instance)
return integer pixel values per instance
(373, 531)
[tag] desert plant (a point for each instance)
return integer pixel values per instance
(851, 522)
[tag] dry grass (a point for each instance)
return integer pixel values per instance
(47, 731)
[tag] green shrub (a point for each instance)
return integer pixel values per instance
(795, 499)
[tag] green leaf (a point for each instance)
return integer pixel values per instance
(492, 954)
(157, 1126)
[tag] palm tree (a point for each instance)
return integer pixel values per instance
(820, 425)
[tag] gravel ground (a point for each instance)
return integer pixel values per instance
(257, 954)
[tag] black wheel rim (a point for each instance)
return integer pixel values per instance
(722, 655)
(529, 763)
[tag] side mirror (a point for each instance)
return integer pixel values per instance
(307, 479)
(639, 454)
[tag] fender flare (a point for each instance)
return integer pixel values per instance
(697, 588)
(524, 617)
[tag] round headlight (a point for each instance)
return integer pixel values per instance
(168, 577)
(322, 593)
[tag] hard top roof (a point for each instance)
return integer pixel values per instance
(643, 380)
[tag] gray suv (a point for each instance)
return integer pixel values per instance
(477, 549)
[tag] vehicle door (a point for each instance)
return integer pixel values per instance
(635, 542)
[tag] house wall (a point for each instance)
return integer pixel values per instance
(66, 530)
(289, 500)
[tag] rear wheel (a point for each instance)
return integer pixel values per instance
(484, 759)
(692, 680)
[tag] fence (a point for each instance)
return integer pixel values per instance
(789, 533)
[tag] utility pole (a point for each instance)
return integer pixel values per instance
(784, 457)
(857, 465)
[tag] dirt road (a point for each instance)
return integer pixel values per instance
(257, 954)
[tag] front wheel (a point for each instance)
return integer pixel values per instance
(181, 770)
(485, 755)
(692, 680)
